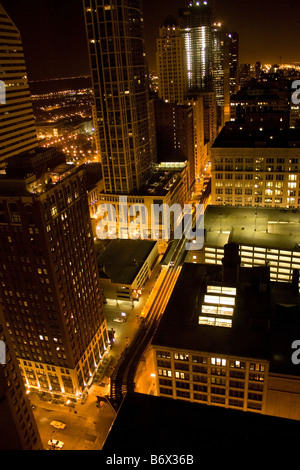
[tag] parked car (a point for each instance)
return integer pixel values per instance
(55, 443)
(58, 424)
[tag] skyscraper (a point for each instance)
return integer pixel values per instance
(17, 426)
(195, 23)
(123, 113)
(49, 283)
(175, 135)
(17, 125)
(234, 62)
(171, 63)
(221, 75)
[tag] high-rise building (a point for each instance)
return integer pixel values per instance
(123, 113)
(171, 62)
(210, 116)
(258, 70)
(245, 73)
(221, 73)
(17, 124)
(263, 102)
(234, 62)
(17, 425)
(207, 50)
(175, 134)
(201, 145)
(49, 282)
(196, 27)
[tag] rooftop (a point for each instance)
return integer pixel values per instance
(161, 182)
(256, 322)
(169, 21)
(38, 171)
(235, 135)
(261, 227)
(122, 259)
(166, 425)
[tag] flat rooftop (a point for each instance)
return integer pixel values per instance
(258, 320)
(253, 226)
(160, 183)
(123, 259)
(148, 424)
(235, 135)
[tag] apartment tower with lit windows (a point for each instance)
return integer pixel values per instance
(221, 71)
(123, 111)
(17, 124)
(171, 62)
(49, 283)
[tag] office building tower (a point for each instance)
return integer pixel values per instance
(50, 290)
(115, 34)
(245, 73)
(234, 41)
(17, 125)
(171, 62)
(201, 145)
(221, 73)
(175, 134)
(211, 128)
(254, 166)
(257, 70)
(196, 27)
(264, 103)
(17, 425)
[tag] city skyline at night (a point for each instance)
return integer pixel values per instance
(56, 46)
(150, 228)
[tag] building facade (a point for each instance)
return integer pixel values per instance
(123, 113)
(196, 28)
(234, 62)
(17, 124)
(125, 266)
(133, 216)
(221, 71)
(171, 63)
(175, 134)
(255, 167)
(223, 380)
(18, 426)
(50, 291)
(225, 339)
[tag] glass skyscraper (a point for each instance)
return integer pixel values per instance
(17, 124)
(123, 112)
(195, 24)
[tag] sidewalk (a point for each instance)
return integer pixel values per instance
(126, 332)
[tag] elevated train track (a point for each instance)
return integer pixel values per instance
(122, 379)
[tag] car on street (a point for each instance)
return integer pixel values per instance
(58, 424)
(120, 319)
(54, 443)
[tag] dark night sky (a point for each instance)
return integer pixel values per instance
(53, 31)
